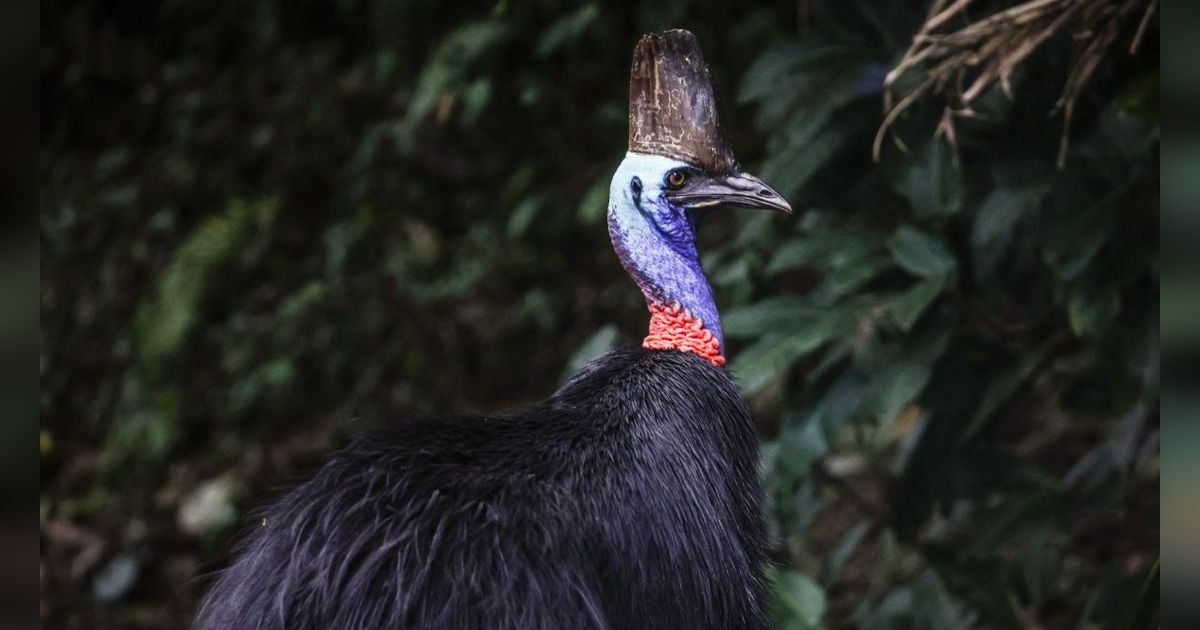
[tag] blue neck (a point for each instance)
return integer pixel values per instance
(656, 242)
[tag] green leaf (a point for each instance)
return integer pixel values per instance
(921, 254)
(1076, 223)
(600, 342)
(999, 213)
(933, 182)
(782, 79)
(895, 387)
(475, 98)
(844, 549)
(1000, 388)
(804, 441)
(790, 168)
(893, 611)
(163, 322)
(906, 308)
(847, 258)
(773, 354)
(523, 216)
(1144, 612)
(594, 204)
(147, 423)
(766, 359)
(928, 462)
(827, 248)
(446, 72)
(842, 400)
(799, 602)
(843, 279)
(784, 65)
(995, 223)
(936, 607)
(1012, 520)
(567, 29)
(1091, 313)
(1039, 562)
(778, 313)
(733, 276)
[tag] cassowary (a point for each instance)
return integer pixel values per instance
(628, 499)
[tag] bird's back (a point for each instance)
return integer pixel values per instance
(629, 499)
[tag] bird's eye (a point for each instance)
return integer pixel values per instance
(677, 178)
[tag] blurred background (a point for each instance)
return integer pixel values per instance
(268, 226)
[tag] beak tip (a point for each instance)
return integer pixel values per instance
(782, 204)
(769, 197)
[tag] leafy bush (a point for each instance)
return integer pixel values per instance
(265, 228)
(963, 339)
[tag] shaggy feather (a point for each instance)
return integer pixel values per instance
(629, 499)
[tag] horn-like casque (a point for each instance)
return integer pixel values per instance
(673, 108)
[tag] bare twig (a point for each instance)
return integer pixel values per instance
(1141, 32)
(961, 65)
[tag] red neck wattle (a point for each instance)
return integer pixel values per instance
(673, 328)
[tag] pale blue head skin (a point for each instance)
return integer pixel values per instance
(653, 228)
(656, 240)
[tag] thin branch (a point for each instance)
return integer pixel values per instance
(1141, 32)
(938, 20)
(877, 146)
(967, 61)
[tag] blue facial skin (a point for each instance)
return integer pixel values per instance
(656, 241)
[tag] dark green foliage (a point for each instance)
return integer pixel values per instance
(267, 225)
(974, 335)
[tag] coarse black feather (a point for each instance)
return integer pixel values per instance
(629, 499)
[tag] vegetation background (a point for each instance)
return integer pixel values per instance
(266, 226)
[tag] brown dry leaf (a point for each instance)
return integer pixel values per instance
(985, 52)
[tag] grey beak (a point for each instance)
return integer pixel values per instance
(738, 189)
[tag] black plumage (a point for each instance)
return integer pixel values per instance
(629, 499)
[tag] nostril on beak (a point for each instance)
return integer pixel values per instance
(765, 193)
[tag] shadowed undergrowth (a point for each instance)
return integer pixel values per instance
(265, 227)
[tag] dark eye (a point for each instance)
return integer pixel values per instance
(677, 178)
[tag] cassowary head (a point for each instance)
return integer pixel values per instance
(679, 166)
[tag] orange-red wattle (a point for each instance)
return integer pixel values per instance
(673, 328)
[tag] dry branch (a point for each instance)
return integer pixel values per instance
(961, 64)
